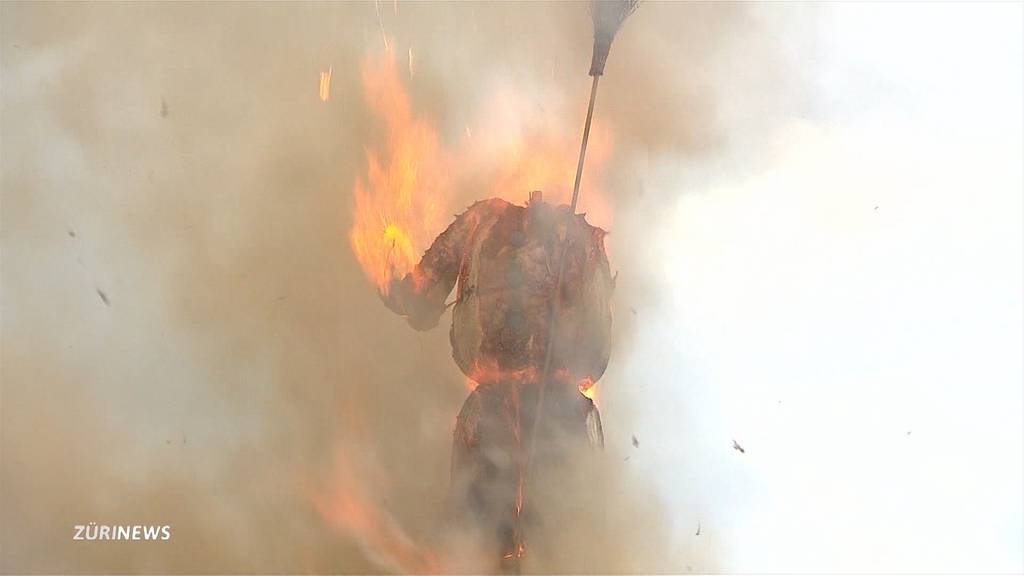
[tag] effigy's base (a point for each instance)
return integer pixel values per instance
(489, 455)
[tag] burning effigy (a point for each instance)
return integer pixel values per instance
(531, 316)
(522, 330)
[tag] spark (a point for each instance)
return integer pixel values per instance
(380, 22)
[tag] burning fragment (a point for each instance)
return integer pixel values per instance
(587, 388)
(325, 84)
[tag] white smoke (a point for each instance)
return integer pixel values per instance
(843, 299)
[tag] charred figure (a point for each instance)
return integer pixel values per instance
(504, 258)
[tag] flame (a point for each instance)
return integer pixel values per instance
(487, 370)
(547, 162)
(406, 190)
(587, 388)
(398, 203)
(346, 506)
(525, 144)
(325, 84)
(404, 199)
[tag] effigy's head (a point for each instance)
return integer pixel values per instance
(540, 216)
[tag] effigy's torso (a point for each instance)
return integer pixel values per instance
(507, 279)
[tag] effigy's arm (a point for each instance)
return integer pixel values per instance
(419, 296)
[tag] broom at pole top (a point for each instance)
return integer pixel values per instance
(608, 16)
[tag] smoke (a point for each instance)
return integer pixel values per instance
(188, 339)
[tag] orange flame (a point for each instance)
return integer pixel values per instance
(405, 197)
(587, 388)
(397, 206)
(325, 84)
(347, 507)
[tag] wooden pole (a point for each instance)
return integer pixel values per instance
(546, 372)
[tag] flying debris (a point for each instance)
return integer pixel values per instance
(636, 443)
(736, 446)
(325, 84)
(698, 529)
(103, 296)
